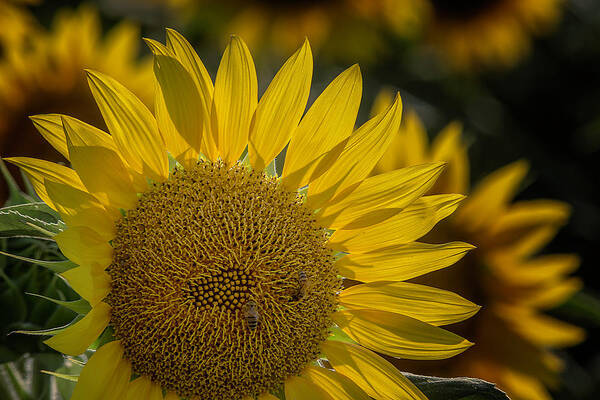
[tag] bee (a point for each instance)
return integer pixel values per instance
(304, 285)
(251, 315)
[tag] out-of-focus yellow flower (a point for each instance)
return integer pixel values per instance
(42, 71)
(16, 24)
(484, 33)
(342, 28)
(220, 276)
(468, 34)
(504, 274)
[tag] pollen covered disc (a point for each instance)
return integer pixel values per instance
(222, 283)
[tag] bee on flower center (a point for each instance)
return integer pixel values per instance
(251, 315)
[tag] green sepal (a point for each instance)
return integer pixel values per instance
(54, 266)
(80, 306)
(72, 378)
(339, 335)
(49, 332)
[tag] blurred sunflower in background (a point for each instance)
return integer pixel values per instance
(471, 35)
(505, 274)
(339, 29)
(41, 71)
(215, 274)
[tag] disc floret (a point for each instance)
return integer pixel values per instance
(197, 253)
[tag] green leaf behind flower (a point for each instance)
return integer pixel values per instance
(456, 388)
(35, 220)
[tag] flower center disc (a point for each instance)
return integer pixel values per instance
(222, 284)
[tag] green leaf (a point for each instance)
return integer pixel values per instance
(14, 384)
(14, 296)
(54, 266)
(15, 195)
(22, 380)
(80, 306)
(456, 388)
(35, 220)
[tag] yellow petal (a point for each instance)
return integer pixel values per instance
(75, 339)
(91, 283)
(336, 385)
(523, 386)
(104, 175)
(536, 271)
(490, 196)
(50, 127)
(364, 148)
(82, 245)
(40, 170)
(174, 142)
(376, 376)
(267, 396)
(316, 142)
(234, 100)
(185, 53)
(105, 376)
(158, 48)
(80, 134)
(395, 189)
(425, 303)
(544, 330)
(143, 388)
(401, 262)
(172, 396)
(398, 335)
(298, 388)
(448, 147)
(280, 108)
(181, 101)
(527, 225)
(132, 126)
(79, 208)
(413, 222)
(552, 294)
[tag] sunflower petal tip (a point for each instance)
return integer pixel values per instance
(92, 74)
(155, 47)
(355, 68)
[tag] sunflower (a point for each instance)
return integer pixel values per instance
(344, 29)
(218, 280)
(42, 72)
(505, 274)
(482, 33)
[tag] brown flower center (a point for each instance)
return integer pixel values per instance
(222, 284)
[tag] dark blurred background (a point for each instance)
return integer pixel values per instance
(545, 109)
